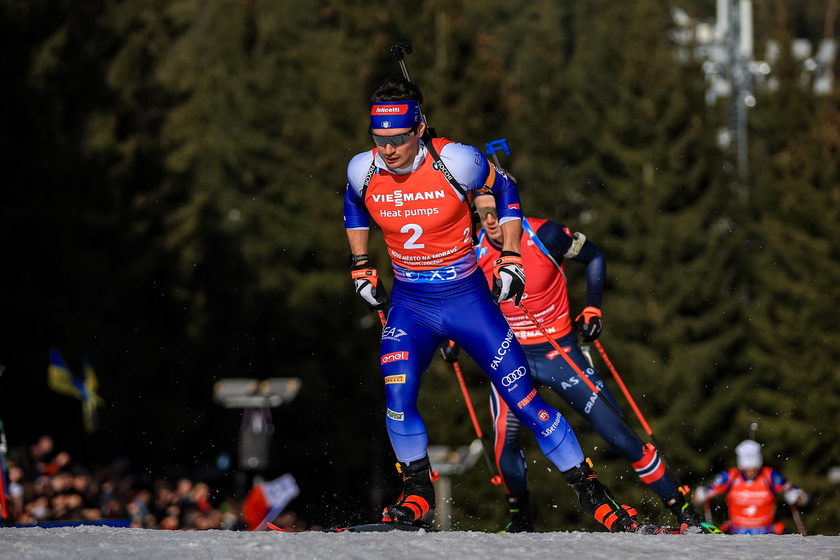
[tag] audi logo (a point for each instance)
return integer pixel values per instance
(513, 376)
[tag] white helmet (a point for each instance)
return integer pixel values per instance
(749, 454)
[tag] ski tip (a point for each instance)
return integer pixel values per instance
(272, 527)
(710, 528)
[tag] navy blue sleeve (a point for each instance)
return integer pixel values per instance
(557, 240)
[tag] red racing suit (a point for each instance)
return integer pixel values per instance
(751, 503)
(545, 247)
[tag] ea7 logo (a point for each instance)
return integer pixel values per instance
(391, 379)
(392, 333)
(393, 357)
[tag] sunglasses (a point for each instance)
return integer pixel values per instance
(484, 211)
(395, 140)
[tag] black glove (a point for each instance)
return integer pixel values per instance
(589, 323)
(449, 352)
(508, 277)
(369, 287)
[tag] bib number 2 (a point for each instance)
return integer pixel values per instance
(417, 231)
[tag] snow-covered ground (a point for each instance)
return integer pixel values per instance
(92, 543)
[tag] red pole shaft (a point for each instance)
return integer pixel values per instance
(624, 389)
(797, 519)
(467, 399)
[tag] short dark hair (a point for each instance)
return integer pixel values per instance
(397, 89)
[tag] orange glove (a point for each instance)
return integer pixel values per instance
(589, 323)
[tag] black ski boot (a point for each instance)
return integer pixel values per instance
(599, 502)
(685, 513)
(416, 504)
(520, 515)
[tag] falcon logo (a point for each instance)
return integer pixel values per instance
(503, 349)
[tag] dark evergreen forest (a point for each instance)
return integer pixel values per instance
(171, 205)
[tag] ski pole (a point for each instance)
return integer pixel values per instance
(645, 425)
(571, 363)
(797, 519)
(495, 479)
(624, 389)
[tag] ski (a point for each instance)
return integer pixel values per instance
(363, 528)
(385, 527)
(660, 530)
(684, 529)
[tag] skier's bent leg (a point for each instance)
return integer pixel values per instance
(598, 501)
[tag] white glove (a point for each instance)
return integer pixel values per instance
(369, 287)
(700, 495)
(508, 278)
(792, 496)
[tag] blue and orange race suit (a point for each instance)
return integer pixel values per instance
(751, 503)
(439, 293)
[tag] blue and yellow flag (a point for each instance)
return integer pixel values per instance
(62, 380)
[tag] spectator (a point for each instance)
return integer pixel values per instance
(57, 490)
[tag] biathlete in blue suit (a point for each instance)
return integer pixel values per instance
(417, 190)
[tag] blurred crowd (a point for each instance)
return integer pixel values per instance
(46, 486)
